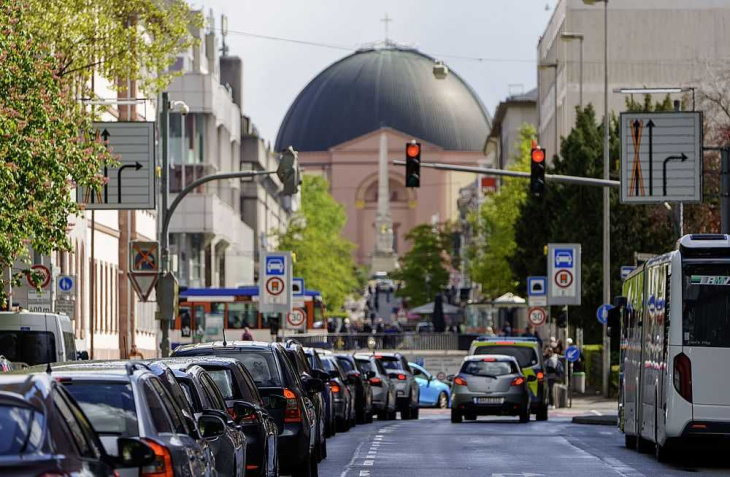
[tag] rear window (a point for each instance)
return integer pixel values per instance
(365, 366)
(259, 363)
(706, 310)
(331, 367)
(390, 363)
(21, 428)
(488, 368)
(109, 406)
(29, 347)
(525, 355)
(224, 380)
(346, 364)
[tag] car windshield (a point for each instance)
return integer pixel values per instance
(706, 306)
(488, 368)
(29, 347)
(109, 406)
(390, 363)
(260, 363)
(223, 379)
(21, 429)
(525, 355)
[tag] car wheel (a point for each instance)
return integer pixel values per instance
(663, 452)
(323, 449)
(629, 441)
(414, 412)
(383, 416)
(305, 470)
(314, 472)
(470, 417)
(405, 412)
(456, 417)
(525, 415)
(542, 413)
(341, 425)
(369, 418)
(443, 401)
(644, 446)
(392, 415)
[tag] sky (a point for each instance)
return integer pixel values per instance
(503, 33)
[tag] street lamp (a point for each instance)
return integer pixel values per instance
(606, 199)
(577, 36)
(546, 66)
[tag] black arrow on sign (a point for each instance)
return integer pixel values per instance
(137, 166)
(681, 158)
(650, 125)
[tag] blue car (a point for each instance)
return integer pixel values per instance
(433, 393)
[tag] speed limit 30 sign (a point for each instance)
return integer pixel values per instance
(537, 316)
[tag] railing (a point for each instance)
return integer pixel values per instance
(386, 341)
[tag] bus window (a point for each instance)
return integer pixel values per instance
(318, 315)
(242, 314)
(185, 322)
(706, 306)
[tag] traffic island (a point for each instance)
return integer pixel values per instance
(596, 420)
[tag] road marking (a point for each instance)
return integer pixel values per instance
(368, 462)
(352, 461)
(596, 413)
(364, 473)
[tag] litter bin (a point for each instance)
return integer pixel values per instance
(579, 382)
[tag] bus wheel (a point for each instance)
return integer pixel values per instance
(644, 446)
(629, 441)
(663, 452)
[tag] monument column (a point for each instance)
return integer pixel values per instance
(384, 258)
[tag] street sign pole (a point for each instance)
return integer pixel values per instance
(725, 190)
(164, 245)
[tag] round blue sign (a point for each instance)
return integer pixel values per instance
(65, 284)
(572, 354)
(602, 313)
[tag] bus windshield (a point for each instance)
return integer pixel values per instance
(706, 305)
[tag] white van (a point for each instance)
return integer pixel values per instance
(36, 338)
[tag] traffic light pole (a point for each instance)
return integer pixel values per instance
(587, 181)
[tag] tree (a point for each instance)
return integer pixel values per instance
(572, 213)
(136, 40)
(323, 257)
(47, 144)
(491, 252)
(424, 269)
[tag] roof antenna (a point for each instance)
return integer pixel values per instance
(48, 353)
(224, 334)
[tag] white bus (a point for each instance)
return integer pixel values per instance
(675, 347)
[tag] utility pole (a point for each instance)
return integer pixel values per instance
(725, 190)
(606, 208)
(164, 314)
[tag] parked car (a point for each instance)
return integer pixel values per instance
(45, 432)
(431, 391)
(299, 362)
(344, 395)
(363, 391)
(206, 400)
(490, 385)
(406, 387)
(36, 338)
(245, 405)
(315, 362)
(380, 384)
(277, 382)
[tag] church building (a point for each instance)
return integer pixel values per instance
(361, 112)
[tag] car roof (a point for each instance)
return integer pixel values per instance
(229, 345)
(491, 357)
(20, 387)
(323, 352)
(214, 360)
(93, 370)
(528, 342)
(388, 355)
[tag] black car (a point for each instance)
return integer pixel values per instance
(276, 379)
(205, 398)
(245, 405)
(343, 395)
(45, 432)
(363, 391)
(315, 362)
(298, 359)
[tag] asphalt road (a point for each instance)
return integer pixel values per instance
(433, 446)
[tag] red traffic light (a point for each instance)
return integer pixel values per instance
(413, 150)
(538, 155)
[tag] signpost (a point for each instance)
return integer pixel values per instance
(564, 280)
(537, 291)
(275, 283)
(144, 267)
(130, 184)
(661, 157)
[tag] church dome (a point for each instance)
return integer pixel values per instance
(385, 87)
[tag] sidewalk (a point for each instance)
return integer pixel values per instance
(590, 409)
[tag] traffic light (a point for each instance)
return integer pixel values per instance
(413, 164)
(537, 171)
(288, 171)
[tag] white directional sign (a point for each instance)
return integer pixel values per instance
(661, 157)
(275, 282)
(564, 274)
(131, 183)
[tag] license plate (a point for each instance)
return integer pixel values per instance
(488, 400)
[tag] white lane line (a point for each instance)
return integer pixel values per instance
(364, 473)
(595, 413)
(352, 461)
(368, 462)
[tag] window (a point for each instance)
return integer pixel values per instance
(526, 356)
(417, 372)
(70, 344)
(159, 417)
(21, 428)
(215, 396)
(173, 411)
(109, 406)
(29, 347)
(706, 306)
(392, 364)
(365, 366)
(488, 368)
(79, 429)
(345, 364)
(224, 380)
(242, 314)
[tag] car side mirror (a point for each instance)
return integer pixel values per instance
(319, 374)
(211, 426)
(369, 375)
(314, 385)
(243, 411)
(450, 378)
(274, 401)
(531, 378)
(133, 453)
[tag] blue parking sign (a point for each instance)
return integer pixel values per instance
(276, 265)
(563, 258)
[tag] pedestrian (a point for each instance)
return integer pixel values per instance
(380, 326)
(490, 332)
(247, 336)
(555, 373)
(531, 333)
(507, 329)
(134, 353)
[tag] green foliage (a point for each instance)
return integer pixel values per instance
(323, 258)
(46, 144)
(572, 213)
(118, 39)
(424, 269)
(491, 252)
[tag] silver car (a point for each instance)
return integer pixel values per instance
(490, 385)
(406, 387)
(380, 383)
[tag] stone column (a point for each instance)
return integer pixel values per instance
(384, 259)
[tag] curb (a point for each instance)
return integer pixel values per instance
(610, 420)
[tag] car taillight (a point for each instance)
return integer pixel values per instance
(162, 466)
(335, 387)
(460, 381)
(401, 377)
(231, 413)
(540, 376)
(683, 376)
(518, 381)
(376, 381)
(293, 412)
